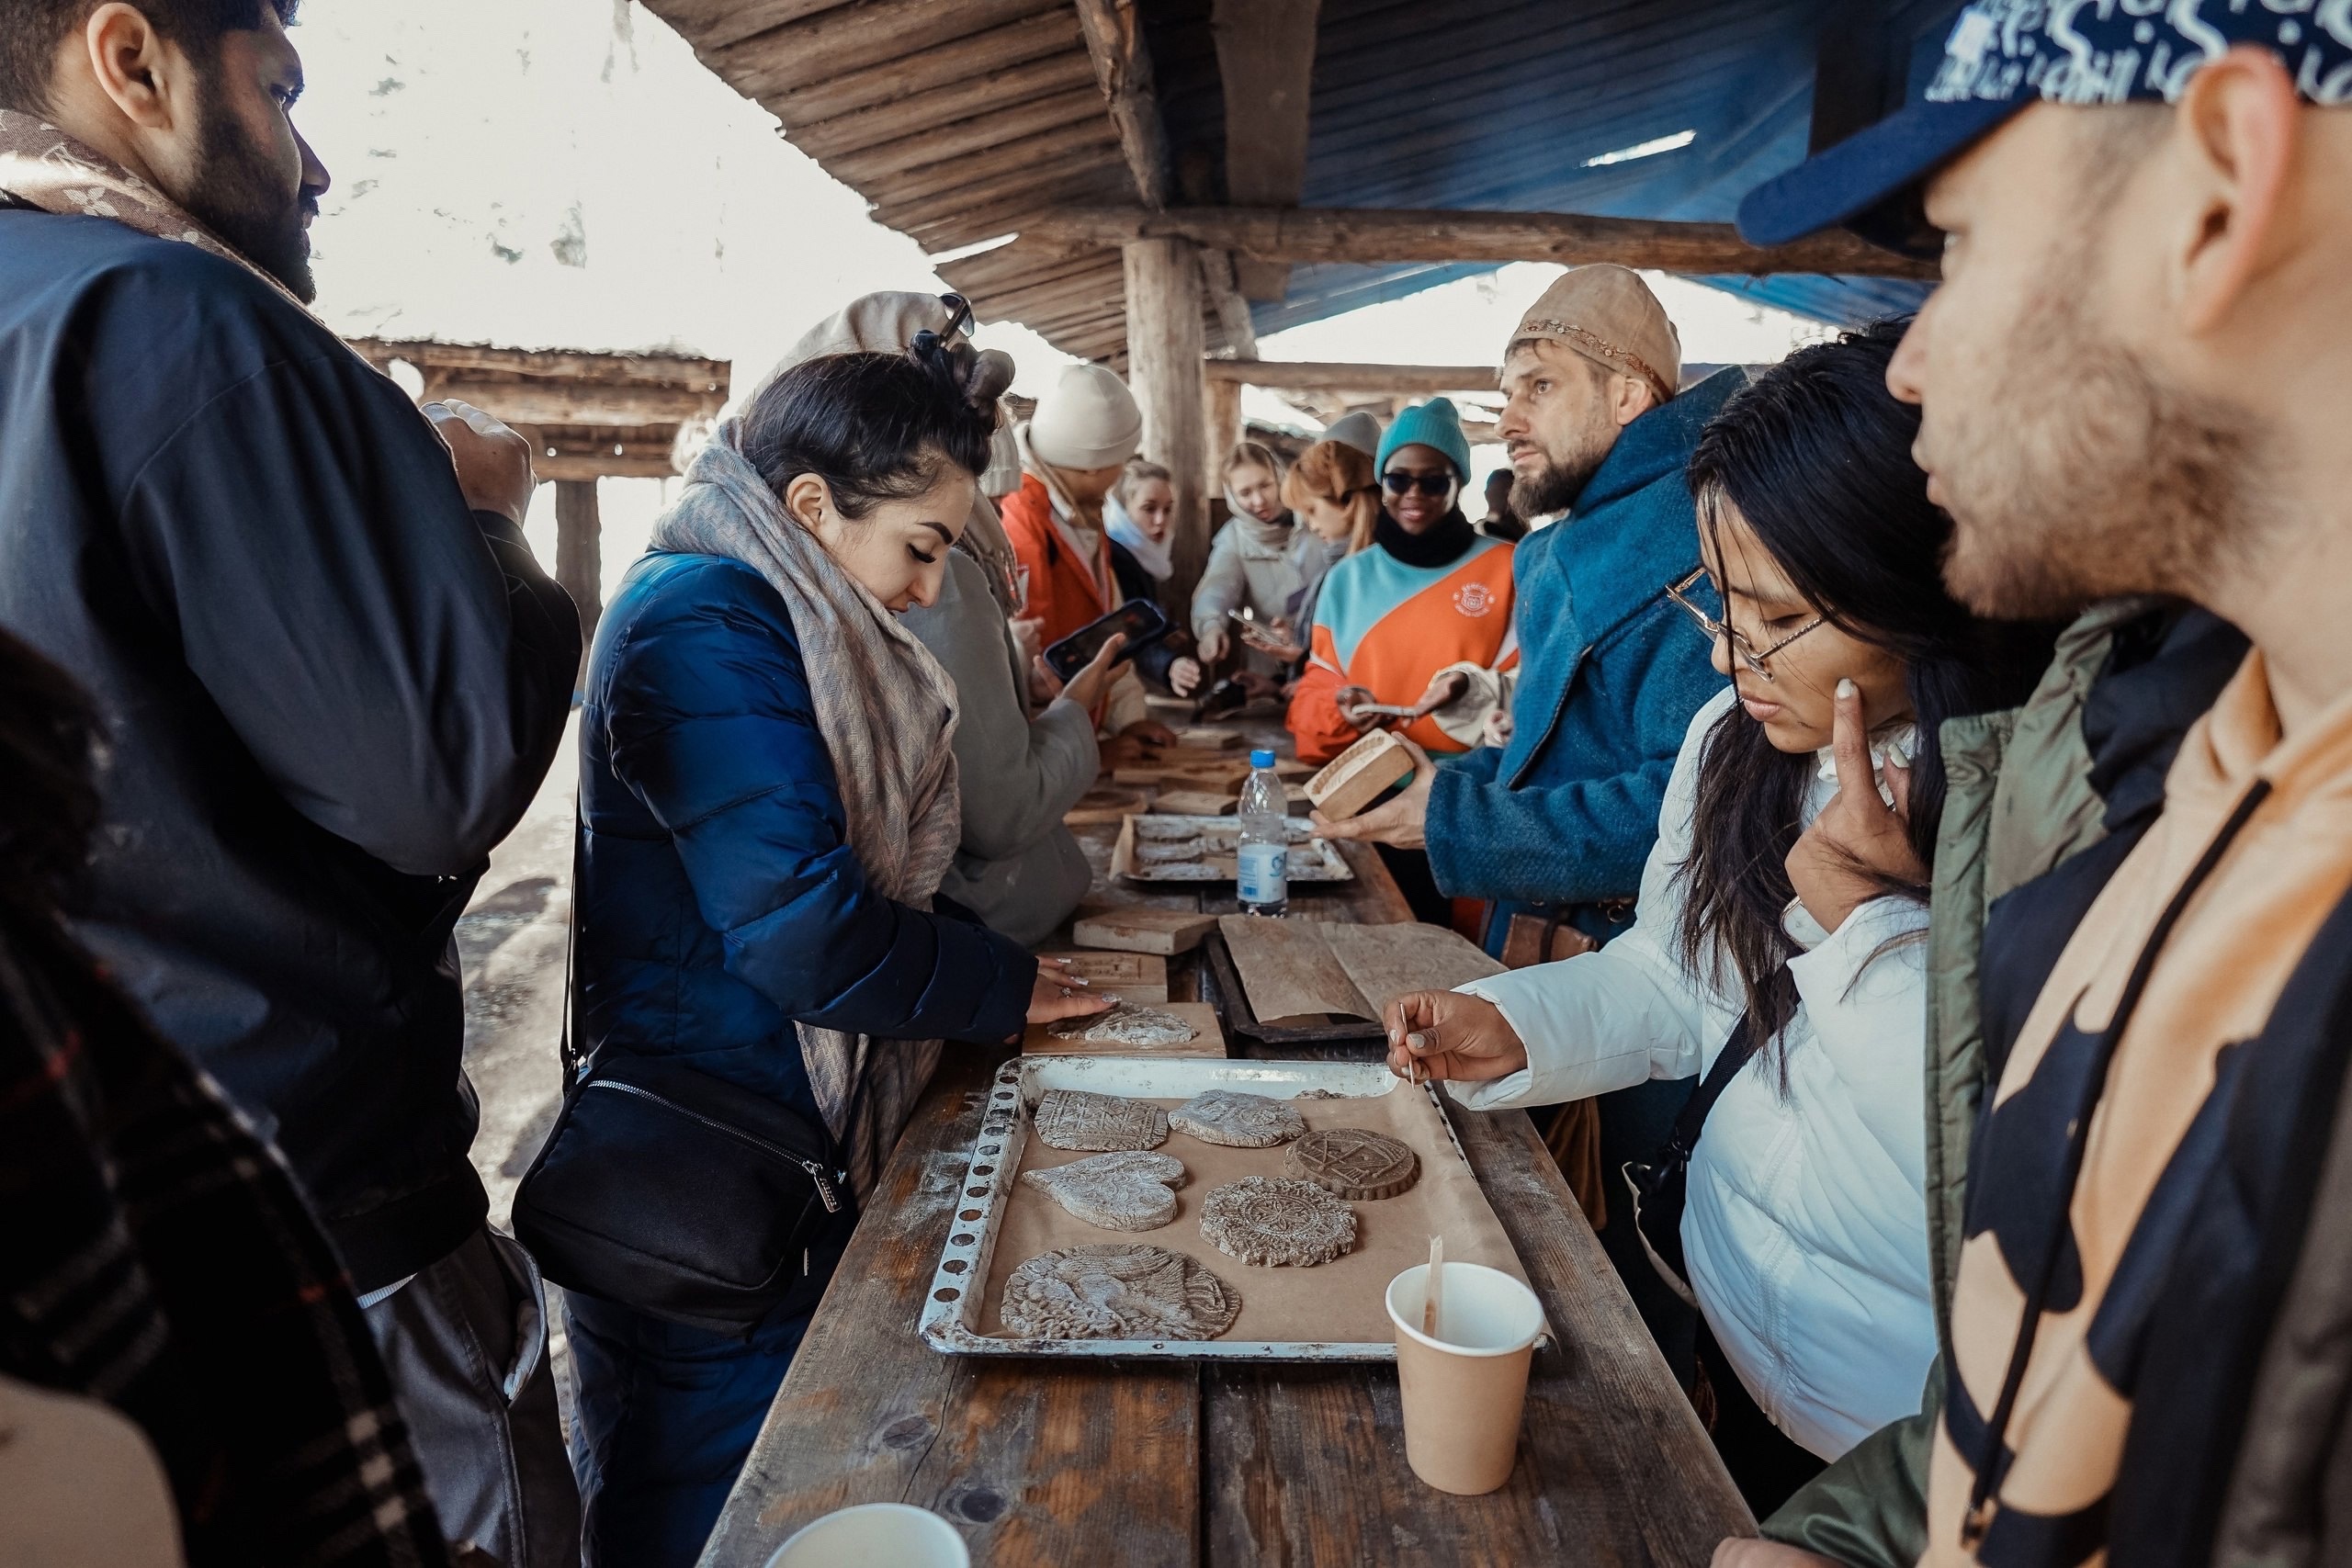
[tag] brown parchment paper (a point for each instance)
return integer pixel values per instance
(1341, 1301)
(1299, 969)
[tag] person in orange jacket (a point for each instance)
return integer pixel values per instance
(1429, 594)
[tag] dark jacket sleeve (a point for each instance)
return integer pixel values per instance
(709, 722)
(399, 666)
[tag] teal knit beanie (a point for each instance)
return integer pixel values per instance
(1434, 425)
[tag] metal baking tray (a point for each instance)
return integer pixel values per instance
(953, 1309)
(1311, 860)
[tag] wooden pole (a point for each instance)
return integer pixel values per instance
(1164, 344)
(578, 554)
(1223, 420)
(1374, 235)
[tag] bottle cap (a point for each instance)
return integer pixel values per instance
(1262, 758)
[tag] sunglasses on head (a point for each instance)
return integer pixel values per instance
(1398, 482)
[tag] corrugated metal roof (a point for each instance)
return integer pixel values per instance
(958, 118)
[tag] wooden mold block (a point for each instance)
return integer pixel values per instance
(1360, 775)
(1196, 803)
(1132, 976)
(1162, 932)
(1208, 1037)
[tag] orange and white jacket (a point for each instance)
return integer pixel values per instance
(1387, 627)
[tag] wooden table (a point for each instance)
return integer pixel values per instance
(1091, 1463)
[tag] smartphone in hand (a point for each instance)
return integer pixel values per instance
(1140, 619)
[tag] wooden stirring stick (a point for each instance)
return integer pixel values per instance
(1436, 1285)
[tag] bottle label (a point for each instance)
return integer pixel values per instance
(1264, 873)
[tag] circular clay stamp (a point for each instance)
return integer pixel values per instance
(1353, 1163)
(1272, 1220)
(1237, 1121)
(1116, 1292)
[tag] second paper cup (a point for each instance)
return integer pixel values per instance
(1464, 1390)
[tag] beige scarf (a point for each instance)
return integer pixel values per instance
(887, 713)
(43, 167)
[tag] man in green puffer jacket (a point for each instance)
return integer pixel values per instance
(2077, 772)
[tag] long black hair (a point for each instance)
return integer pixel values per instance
(876, 428)
(1817, 456)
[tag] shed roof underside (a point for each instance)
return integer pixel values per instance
(958, 118)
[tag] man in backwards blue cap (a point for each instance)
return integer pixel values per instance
(2134, 381)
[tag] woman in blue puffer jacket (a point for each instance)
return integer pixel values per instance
(768, 798)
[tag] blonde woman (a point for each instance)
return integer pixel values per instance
(1253, 565)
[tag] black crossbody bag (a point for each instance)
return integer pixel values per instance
(679, 1194)
(1660, 1186)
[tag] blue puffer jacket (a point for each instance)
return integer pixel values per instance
(719, 898)
(1610, 673)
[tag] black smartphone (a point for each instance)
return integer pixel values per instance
(1142, 620)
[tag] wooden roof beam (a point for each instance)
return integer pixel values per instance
(1265, 53)
(1378, 235)
(1325, 375)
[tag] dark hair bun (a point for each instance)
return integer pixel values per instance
(974, 377)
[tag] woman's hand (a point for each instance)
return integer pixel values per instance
(1058, 993)
(1859, 843)
(1086, 687)
(1212, 641)
(1445, 1034)
(1401, 823)
(1349, 700)
(1150, 731)
(1184, 677)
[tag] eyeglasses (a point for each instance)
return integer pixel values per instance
(1750, 654)
(959, 314)
(1398, 481)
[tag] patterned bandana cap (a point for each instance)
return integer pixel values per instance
(2003, 55)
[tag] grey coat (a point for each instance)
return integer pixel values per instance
(1018, 868)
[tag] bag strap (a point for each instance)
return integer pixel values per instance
(574, 1066)
(1738, 1051)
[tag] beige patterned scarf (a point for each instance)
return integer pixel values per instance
(43, 167)
(888, 711)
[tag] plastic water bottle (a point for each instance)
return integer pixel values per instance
(1265, 871)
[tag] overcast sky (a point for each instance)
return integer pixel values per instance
(547, 174)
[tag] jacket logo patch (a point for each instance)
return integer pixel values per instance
(1473, 599)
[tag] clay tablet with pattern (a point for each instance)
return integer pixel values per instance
(1170, 851)
(1125, 1024)
(1237, 1121)
(1125, 1191)
(1098, 1124)
(1165, 830)
(1354, 1163)
(1272, 1220)
(1117, 1291)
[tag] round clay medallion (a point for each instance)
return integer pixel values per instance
(1272, 1220)
(1354, 1163)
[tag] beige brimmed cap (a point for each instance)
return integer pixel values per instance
(1088, 419)
(1609, 315)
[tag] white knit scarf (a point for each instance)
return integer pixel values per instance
(888, 711)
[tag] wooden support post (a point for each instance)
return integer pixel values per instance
(579, 553)
(1224, 428)
(1164, 344)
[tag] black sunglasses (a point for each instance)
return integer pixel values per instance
(1398, 481)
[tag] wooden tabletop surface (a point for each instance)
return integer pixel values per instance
(1086, 1463)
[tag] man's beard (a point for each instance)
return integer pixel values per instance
(1555, 486)
(2080, 475)
(241, 197)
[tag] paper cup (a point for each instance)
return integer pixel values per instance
(874, 1534)
(1465, 1389)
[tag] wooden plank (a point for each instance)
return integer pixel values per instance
(1033, 1463)
(992, 92)
(1327, 375)
(1227, 304)
(1372, 235)
(715, 23)
(939, 179)
(1164, 348)
(486, 360)
(929, 139)
(1131, 977)
(1164, 932)
(1114, 42)
(1208, 1035)
(850, 38)
(1265, 52)
(923, 70)
(1307, 1464)
(575, 402)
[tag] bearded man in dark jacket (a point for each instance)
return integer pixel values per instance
(331, 675)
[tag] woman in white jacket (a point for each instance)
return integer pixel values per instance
(1789, 883)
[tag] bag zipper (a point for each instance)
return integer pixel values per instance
(817, 1172)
